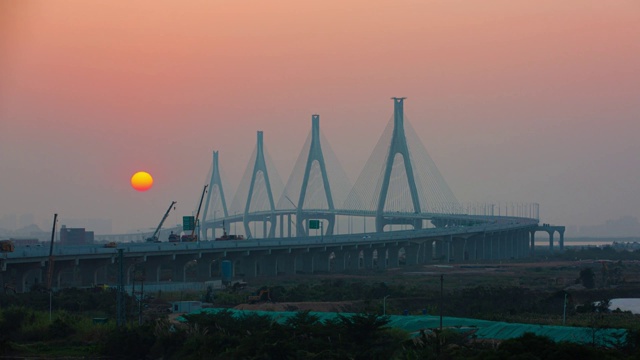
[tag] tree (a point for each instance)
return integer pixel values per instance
(588, 278)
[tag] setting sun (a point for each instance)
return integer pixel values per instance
(141, 181)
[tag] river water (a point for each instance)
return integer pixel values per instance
(626, 304)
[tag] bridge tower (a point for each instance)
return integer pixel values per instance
(215, 186)
(315, 154)
(398, 146)
(260, 166)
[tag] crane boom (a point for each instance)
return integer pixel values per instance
(50, 264)
(154, 237)
(198, 213)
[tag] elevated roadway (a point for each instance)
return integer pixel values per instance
(457, 238)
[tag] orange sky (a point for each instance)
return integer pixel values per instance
(533, 101)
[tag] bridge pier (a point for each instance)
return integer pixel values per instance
(425, 252)
(393, 256)
(287, 262)
(204, 267)
(90, 271)
(18, 277)
(367, 258)
(471, 250)
(411, 251)
(153, 267)
(321, 261)
(268, 264)
(249, 265)
(304, 262)
(458, 245)
(340, 260)
(494, 244)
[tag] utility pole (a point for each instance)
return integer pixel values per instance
(50, 266)
(120, 308)
(441, 296)
(564, 310)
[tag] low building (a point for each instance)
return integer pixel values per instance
(185, 306)
(75, 236)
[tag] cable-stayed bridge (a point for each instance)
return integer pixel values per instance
(399, 210)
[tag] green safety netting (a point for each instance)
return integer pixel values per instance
(482, 329)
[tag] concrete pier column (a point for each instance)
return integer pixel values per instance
(90, 270)
(379, 257)
(304, 262)
(392, 253)
(426, 252)
(458, 249)
(339, 263)
(287, 263)
(153, 267)
(561, 243)
(367, 255)
(439, 249)
(524, 243)
(551, 240)
(532, 246)
(353, 260)
(268, 265)
(471, 250)
(320, 261)
(180, 263)
(249, 265)
(495, 246)
(411, 254)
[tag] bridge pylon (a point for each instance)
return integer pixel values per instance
(315, 155)
(260, 166)
(398, 146)
(215, 186)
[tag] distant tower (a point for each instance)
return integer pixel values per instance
(260, 166)
(315, 154)
(215, 183)
(398, 146)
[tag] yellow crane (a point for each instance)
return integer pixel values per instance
(154, 237)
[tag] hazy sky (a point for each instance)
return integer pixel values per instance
(520, 101)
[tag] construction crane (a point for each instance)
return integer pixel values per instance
(204, 191)
(154, 237)
(50, 264)
(193, 236)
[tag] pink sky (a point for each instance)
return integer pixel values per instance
(522, 101)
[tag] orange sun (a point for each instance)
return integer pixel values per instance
(141, 181)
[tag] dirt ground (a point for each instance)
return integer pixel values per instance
(343, 306)
(534, 274)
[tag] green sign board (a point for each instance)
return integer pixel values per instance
(188, 223)
(314, 224)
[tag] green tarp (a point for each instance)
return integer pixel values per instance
(484, 329)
